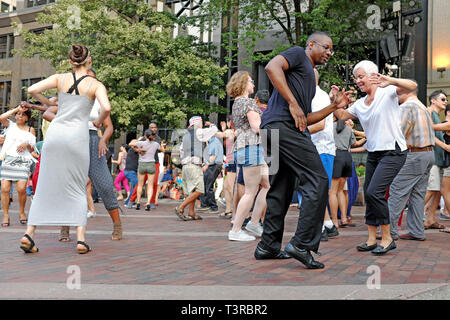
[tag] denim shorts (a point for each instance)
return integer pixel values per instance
(250, 156)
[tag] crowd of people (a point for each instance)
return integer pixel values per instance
(295, 143)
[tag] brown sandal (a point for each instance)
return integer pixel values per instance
(180, 214)
(435, 225)
(117, 231)
(64, 234)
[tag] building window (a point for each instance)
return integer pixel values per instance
(25, 84)
(6, 45)
(41, 30)
(8, 5)
(5, 95)
(35, 3)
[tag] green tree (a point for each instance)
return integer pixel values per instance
(150, 75)
(290, 22)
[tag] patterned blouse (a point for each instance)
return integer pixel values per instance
(245, 136)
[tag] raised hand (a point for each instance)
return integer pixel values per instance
(340, 97)
(25, 105)
(380, 80)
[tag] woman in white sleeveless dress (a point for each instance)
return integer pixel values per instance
(60, 198)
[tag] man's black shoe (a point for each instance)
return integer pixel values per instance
(262, 254)
(332, 232)
(304, 256)
(324, 236)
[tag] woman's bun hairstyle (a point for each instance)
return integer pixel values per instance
(79, 54)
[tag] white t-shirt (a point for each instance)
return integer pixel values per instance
(381, 120)
(95, 112)
(324, 139)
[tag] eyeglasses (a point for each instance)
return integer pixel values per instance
(325, 47)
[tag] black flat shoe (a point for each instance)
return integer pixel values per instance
(138, 206)
(304, 256)
(147, 207)
(332, 232)
(366, 247)
(324, 236)
(379, 250)
(262, 254)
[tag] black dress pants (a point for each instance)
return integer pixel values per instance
(297, 158)
(381, 169)
(209, 178)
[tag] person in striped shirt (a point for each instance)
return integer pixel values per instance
(412, 180)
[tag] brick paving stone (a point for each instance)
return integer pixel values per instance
(159, 249)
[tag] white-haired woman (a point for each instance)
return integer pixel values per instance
(379, 115)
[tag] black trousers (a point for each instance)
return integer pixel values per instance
(209, 178)
(381, 169)
(298, 158)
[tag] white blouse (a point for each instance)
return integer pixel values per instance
(15, 137)
(381, 120)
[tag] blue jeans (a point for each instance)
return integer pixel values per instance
(133, 179)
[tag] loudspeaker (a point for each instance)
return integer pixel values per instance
(407, 45)
(384, 48)
(392, 45)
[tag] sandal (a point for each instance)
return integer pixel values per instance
(23, 221)
(446, 230)
(435, 225)
(180, 214)
(196, 218)
(28, 247)
(64, 234)
(117, 231)
(6, 224)
(226, 215)
(81, 251)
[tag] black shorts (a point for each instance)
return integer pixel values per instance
(231, 167)
(342, 166)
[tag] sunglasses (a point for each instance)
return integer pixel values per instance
(443, 99)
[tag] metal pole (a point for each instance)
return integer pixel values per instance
(421, 53)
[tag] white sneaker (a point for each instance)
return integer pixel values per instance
(254, 229)
(240, 236)
(90, 214)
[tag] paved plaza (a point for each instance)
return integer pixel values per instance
(161, 257)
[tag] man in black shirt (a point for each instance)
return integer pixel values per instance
(288, 114)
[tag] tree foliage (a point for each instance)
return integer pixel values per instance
(290, 22)
(150, 75)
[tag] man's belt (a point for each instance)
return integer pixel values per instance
(420, 149)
